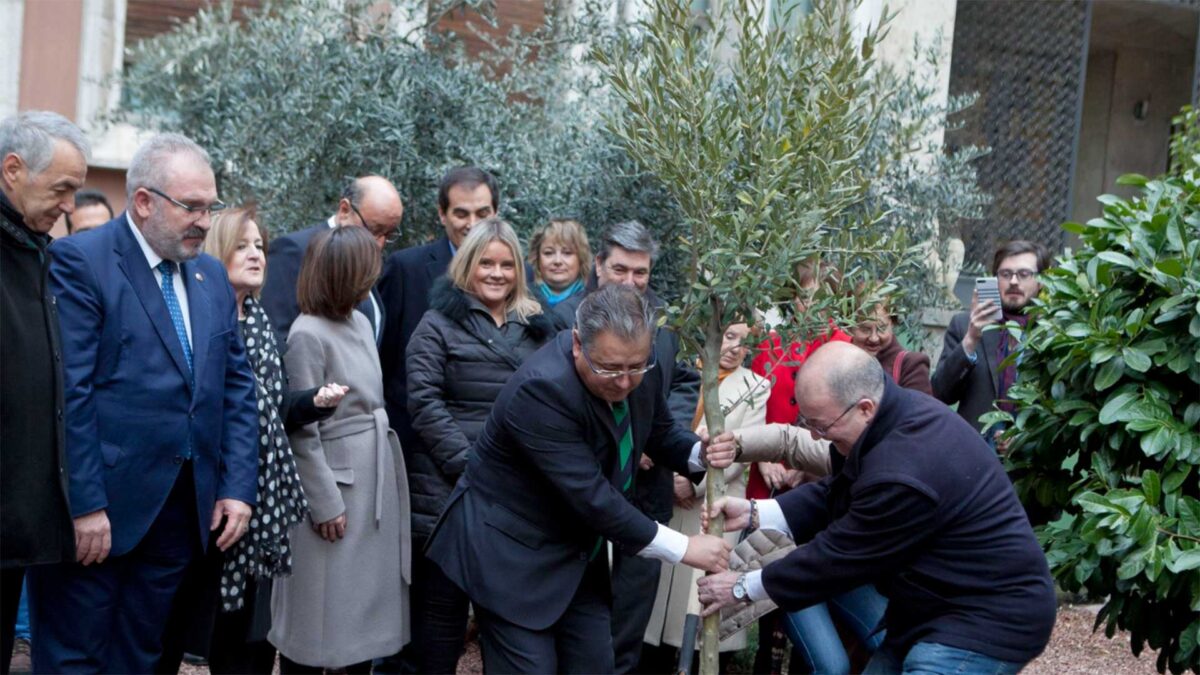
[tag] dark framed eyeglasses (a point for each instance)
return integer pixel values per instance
(207, 209)
(614, 374)
(1023, 274)
(388, 235)
(803, 423)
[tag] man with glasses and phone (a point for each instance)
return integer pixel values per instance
(368, 201)
(921, 509)
(551, 480)
(969, 370)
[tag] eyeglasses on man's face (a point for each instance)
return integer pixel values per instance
(389, 235)
(1024, 274)
(194, 209)
(614, 374)
(804, 423)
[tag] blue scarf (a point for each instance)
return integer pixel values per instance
(553, 298)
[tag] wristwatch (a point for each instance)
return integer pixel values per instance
(741, 591)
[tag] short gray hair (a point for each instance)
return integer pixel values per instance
(616, 309)
(856, 379)
(629, 235)
(148, 166)
(32, 134)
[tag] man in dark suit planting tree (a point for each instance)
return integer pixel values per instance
(551, 479)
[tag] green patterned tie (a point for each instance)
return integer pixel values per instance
(624, 475)
(625, 432)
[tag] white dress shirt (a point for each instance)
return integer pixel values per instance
(669, 545)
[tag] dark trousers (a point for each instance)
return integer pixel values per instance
(109, 617)
(576, 643)
(634, 585)
(439, 621)
(290, 667)
(10, 598)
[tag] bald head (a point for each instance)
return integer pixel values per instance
(842, 372)
(372, 202)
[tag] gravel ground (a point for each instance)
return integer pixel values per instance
(1073, 649)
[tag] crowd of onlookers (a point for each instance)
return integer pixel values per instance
(233, 447)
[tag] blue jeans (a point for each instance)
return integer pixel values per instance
(812, 632)
(930, 658)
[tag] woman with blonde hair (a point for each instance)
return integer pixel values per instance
(560, 256)
(480, 326)
(346, 601)
(223, 610)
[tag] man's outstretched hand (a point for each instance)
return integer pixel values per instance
(707, 552)
(736, 510)
(718, 452)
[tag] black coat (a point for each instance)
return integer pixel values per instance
(36, 521)
(404, 288)
(457, 364)
(923, 509)
(284, 258)
(523, 522)
(972, 386)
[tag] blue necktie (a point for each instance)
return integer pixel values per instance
(167, 268)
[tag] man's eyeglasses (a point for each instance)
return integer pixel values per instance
(614, 374)
(388, 235)
(1022, 274)
(803, 423)
(214, 207)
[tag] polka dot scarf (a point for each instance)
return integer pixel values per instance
(264, 550)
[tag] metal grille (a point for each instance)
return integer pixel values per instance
(1026, 60)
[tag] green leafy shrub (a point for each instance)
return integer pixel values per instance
(1108, 404)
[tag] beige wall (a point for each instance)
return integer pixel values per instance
(1135, 55)
(50, 55)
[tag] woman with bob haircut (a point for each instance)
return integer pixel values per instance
(223, 609)
(480, 326)
(560, 256)
(346, 601)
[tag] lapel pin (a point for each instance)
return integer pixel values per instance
(199, 276)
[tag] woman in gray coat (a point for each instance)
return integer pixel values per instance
(481, 325)
(346, 601)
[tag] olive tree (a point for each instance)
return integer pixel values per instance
(759, 136)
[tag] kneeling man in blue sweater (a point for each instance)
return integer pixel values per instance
(921, 508)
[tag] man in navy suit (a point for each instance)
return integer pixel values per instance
(552, 477)
(161, 428)
(368, 201)
(466, 196)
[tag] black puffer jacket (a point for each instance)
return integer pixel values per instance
(458, 360)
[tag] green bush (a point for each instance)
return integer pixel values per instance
(1108, 405)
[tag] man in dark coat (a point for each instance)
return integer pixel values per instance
(43, 161)
(921, 508)
(626, 256)
(466, 196)
(550, 479)
(368, 201)
(968, 370)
